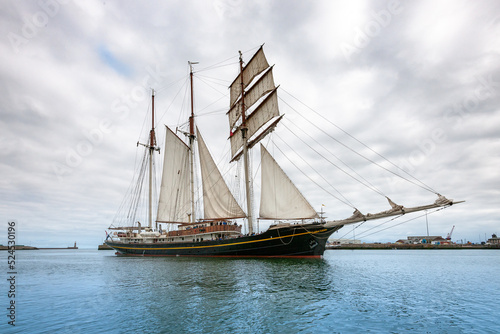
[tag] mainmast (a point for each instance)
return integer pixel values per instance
(192, 137)
(244, 131)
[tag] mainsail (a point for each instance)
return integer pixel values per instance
(218, 202)
(174, 204)
(280, 198)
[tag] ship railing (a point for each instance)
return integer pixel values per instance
(205, 229)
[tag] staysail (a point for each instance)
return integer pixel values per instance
(174, 204)
(218, 202)
(280, 198)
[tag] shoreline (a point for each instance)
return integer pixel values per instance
(23, 247)
(409, 246)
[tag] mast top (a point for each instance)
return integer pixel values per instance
(152, 141)
(191, 63)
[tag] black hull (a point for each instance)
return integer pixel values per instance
(293, 241)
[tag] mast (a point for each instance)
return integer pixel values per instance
(192, 217)
(262, 119)
(245, 150)
(151, 150)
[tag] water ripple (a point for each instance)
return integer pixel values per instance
(347, 291)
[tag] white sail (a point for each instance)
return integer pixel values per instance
(218, 202)
(280, 198)
(174, 204)
(264, 85)
(255, 66)
(262, 114)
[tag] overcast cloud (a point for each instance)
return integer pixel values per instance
(417, 81)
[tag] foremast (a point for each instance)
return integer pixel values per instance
(246, 165)
(253, 113)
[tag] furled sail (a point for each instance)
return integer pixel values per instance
(280, 198)
(174, 204)
(218, 202)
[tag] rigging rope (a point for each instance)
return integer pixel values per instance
(218, 65)
(135, 192)
(345, 201)
(421, 185)
(217, 81)
(427, 213)
(222, 97)
(184, 85)
(281, 238)
(369, 186)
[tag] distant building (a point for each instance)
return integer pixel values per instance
(493, 240)
(431, 239)
(440, 241)
(344, 241)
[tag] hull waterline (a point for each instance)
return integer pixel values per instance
(294, 241)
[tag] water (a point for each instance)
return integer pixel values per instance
(374, 291)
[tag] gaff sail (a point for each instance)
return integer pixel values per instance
(175, 204)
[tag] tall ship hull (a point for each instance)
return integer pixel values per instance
(308, 240)
(207, 219)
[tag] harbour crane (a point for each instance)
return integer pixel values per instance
(448, 237)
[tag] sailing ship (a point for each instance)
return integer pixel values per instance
(297, 230)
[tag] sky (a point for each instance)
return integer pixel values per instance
(418, 82)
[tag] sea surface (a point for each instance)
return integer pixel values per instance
(348, 291)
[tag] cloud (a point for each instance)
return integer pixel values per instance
(418, 82)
